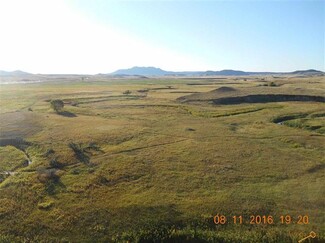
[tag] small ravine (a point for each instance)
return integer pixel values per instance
(21, 145)
(300, 118)
(266, 98)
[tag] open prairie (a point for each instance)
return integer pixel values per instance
(158, 163)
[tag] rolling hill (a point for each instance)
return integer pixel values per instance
(14, 73)
(153, 71)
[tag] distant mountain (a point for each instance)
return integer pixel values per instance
(145, 71)
(16, 73)
(153, 71)
(307, 72)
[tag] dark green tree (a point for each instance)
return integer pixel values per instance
(57, 105)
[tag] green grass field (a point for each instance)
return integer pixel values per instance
(147, 166)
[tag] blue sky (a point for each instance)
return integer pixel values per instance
(101, 35)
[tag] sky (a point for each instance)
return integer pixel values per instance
(101, 36)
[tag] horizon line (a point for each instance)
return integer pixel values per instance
(187, 71)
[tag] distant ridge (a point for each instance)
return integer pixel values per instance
(153, 71)
(145, 71)
(16, 73)
(309, 71)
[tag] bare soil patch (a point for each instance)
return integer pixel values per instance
(18, 125)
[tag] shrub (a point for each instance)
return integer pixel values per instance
(50, 178)
(127, 92)
(47, 175)
(79, 152)
(49, 152)
(82, 152)
(189, 129)
(54, 163)
(57, 105)
(93, 146)
(272, 84)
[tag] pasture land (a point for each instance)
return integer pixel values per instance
(160, 162)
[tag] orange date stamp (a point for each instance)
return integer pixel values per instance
(220, 219)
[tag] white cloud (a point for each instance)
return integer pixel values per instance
(51, 37)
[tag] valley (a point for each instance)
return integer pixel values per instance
(143, 159)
